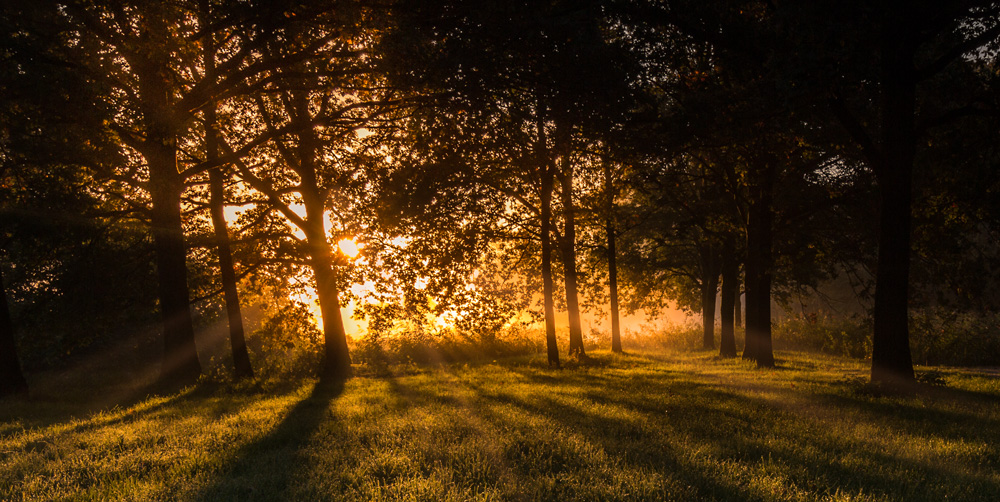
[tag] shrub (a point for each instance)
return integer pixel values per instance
(824, 333)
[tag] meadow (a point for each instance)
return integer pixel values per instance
(657, 425)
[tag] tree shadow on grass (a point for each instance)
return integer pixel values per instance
(736, 428)
(263, 469)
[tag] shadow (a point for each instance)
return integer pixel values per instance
(263, 469)
(734, 428)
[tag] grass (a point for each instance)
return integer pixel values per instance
(651, 426)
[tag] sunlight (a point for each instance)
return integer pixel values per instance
(348, 247)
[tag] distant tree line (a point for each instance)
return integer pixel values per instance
(486, 154)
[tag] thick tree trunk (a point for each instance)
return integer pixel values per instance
(337, 359)
(730, 288)
(758, 272)
(12, 380)
(547, 288)
(180, 356)
(569, 260)
(891, 360)
(237, 338)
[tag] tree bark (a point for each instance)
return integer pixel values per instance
(337, 358)
(569, 259)
(730, 289)
(616, 336)
(609, 230)
(758, 271)
(709, 287)
(237, 338)
(217, 204)
(737, 303)
(180, 356)
(12, 380)
(892, 363)
(547, 184)
(750, 276)
(547, 287)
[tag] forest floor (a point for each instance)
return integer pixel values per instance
(650, 426)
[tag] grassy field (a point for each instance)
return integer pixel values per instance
(668, 426)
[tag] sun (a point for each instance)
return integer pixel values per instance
(348, 247)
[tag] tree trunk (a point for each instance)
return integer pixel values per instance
(737, 303)
(180, 356)
(609, 230)
(708, 290)
(217, 204)
(12, 380)
(749, 285)
(758, 272)
(543, 163)
(569, 260)
(709, 287)
(547, 287)
(730, 288)
(891, 360)
(337, 359)
(616, 336)
(237, 338)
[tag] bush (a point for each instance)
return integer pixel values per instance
(851, 337)
(941, 336)
(414, 345)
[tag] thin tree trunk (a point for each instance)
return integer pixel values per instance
(709, 287)
(547, 184)
(708, 290)
(217, 204)
(750, 338)
(237, 338)
(616, 336)
(569, 260)
(730, 287)
(12, 380)
(547, 288)
(892, 363)
(609, 230)
(737, 303)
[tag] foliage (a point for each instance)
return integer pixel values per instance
(841, 336)
(419, 347)
(943, 336)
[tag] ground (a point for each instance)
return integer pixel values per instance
(649, 426)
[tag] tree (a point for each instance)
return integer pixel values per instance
(217, 203)
(146, 57)
(313, 113)
(916, 44)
